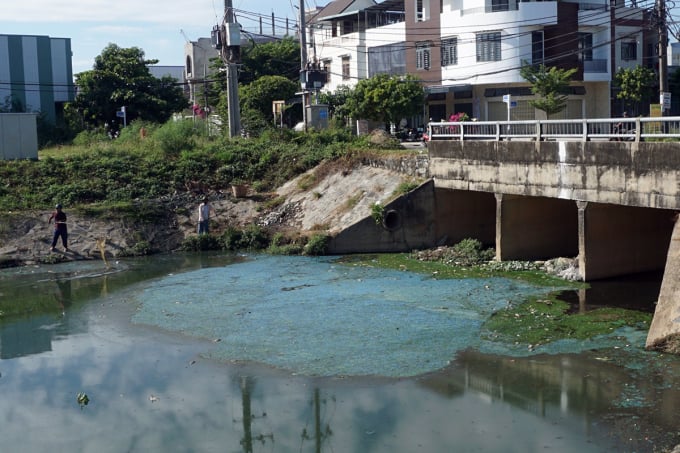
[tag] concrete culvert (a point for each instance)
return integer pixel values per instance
(391, 220)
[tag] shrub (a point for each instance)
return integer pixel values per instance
(175, 136)
(378, 213)
(469, 252)
(317, 245)
(141, 248)
(202, 242)
(231, 238)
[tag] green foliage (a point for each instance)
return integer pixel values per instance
(201, 242)
(386, 98)
(280, 245)
(550, 85)
(141, 248)
(317, 245)
(337, 103)
(121, 77)
(280, 58)
(172, 158)
(636, 85)
(175, 136)
(260, 94)
(542, 321)
(470, 251)
(253, 237)
(406, 187)
(378, 213)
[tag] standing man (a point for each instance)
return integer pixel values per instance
(204, 210)
(60, 228)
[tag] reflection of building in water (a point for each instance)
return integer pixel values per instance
(25, 337)
(33, 335)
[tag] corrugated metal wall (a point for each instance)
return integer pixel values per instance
(18, 136)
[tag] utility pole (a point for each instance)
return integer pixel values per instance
(303, 61)
(231, 56)
(663, 53)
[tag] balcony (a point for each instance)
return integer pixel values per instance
(598, 66)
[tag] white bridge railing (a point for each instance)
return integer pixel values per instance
(613, 129)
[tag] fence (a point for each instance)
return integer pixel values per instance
(613, 129)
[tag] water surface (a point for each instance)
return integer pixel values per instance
(207, 353)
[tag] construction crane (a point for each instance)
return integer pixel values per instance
(185, 35)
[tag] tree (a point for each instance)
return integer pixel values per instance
(386, 98)
(280, 58)
(121, 77)
(636, 85)
(551, 85)
(337, 103)
(256, 100)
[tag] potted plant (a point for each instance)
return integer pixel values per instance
(239, 188)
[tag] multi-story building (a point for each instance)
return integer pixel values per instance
(468, 53)
(36, 74)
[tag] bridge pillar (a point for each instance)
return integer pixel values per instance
(664, 333)
(619, 240)
(532, 228)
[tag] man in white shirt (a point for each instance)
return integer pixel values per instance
(204, 210)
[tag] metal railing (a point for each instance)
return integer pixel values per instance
(594, 129)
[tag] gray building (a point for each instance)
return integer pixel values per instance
(36, 74)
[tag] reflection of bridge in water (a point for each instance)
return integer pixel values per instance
(549, 386)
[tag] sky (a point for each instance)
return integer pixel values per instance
(159, 27)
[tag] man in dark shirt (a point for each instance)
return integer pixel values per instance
(60, 228)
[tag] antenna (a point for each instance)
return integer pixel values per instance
(185, 35)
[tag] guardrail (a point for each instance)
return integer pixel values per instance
(593, 129)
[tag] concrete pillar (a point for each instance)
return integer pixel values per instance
(533, 228)
(664, 333)
(619, 240)
(463, 214)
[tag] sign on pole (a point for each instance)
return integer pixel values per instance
(665, 100)
(508, 100)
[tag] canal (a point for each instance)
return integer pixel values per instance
(258, 353)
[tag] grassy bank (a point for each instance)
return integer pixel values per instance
(148, 162)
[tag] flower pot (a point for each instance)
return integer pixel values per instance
(239, 190)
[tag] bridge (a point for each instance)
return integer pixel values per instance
(606, 191)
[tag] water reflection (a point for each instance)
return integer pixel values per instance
(152, 390)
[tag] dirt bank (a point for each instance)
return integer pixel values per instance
(319, 199)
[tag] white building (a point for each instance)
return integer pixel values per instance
(468, 53)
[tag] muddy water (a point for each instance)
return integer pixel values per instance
(210, 353)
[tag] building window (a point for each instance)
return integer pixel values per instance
(345, 68)
(449, 51)
(347, 27)
(500, 5)
(422, 8)
(629, 50)
(537, 55)
(585, 44)
(423, 56)
(489, 46)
